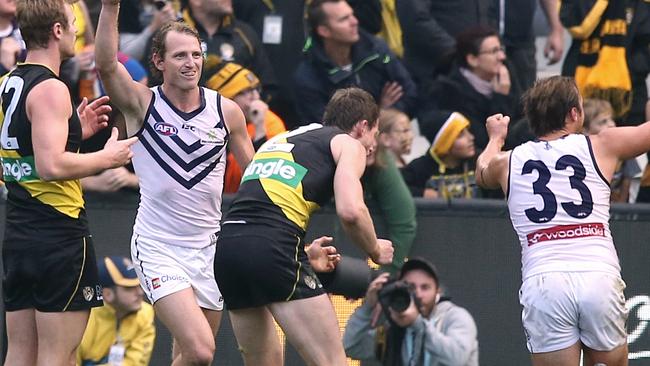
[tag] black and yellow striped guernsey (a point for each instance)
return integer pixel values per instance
(38, 212)
(290, 176)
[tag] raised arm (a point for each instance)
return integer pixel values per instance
(348, 154)
(492, 164)
(49, 108)
(619, 143)
(240, 143)
(131, 97)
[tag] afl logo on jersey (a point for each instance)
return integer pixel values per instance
(165, 129)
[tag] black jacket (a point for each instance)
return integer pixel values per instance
(373, 65)
(454, 93)
(428, 31)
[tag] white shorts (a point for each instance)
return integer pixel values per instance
(164, 269)
(562, 308)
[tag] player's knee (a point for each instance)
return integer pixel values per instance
(200, 354)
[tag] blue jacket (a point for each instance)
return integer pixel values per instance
(373, 65)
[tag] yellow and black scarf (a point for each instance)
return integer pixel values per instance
(601, 71)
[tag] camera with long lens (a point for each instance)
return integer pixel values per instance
(396, 295)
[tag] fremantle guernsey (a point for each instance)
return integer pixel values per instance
(290, 176)
(559, 206)
(180, 160)
(38, 212)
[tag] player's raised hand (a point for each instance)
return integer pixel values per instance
(497, 126)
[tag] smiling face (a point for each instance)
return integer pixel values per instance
(399, 138)
(182, 62)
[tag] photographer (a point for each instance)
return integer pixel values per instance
(407, 322)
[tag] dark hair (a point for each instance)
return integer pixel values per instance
(469, 42)
(316, 15)
(37, 17)
(158, 47)
(349, 106)
(548, 102)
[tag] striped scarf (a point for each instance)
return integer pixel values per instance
(601, 71)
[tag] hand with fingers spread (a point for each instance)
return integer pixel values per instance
(323, 257)
(93, 116)
(391, 93)
(119, 151)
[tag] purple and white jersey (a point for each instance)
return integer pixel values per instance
(559, 206)
(180, 159)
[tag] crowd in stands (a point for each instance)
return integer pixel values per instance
(445, 66)
(281, 60)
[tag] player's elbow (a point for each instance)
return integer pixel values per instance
(49, 172)
(105, 68)
(351, 213)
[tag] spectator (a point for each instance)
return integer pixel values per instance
(121, 332)
(122, 178)
(428, 31)
(243, 87)
(446, 170)
(514, 21)
(395, 134)
(597, 58)
(598, 116)
(478, 86)
(227, 39)
(135, 31)
(340, 55)
(431, 331)
(12, 46)
(280, 26)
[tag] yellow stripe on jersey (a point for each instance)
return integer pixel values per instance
(63, 196)
(281, 191)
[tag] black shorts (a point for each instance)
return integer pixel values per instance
(51, 278)
(256, 265)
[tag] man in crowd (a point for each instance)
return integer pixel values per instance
(430, 331)
(121, 332)
(339, 55)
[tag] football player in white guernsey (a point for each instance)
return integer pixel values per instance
(557, 188)
(179, 160)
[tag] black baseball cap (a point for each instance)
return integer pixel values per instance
(117, 271)
(422, 264)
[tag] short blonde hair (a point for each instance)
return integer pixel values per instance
(594, 108)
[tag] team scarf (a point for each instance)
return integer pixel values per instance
(602, 71)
